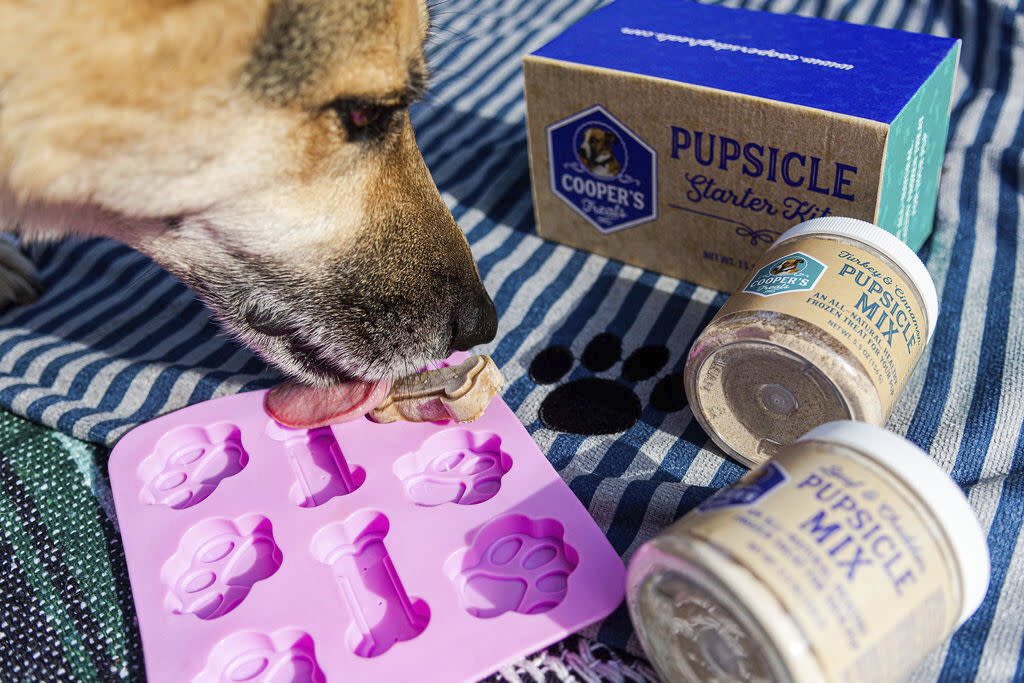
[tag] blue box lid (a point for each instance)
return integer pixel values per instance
(861, 71)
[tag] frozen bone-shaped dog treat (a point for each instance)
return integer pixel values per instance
(458, 392)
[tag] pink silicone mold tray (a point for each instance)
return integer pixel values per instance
(360, 552)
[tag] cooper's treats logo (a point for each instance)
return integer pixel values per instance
(768, 478)
(796, 272)
(603, 170)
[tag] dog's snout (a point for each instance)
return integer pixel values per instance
(474, 321)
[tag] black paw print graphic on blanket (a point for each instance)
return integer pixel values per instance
(595, 405)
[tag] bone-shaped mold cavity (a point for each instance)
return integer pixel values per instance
(217, 563)
(284, 656)
(319, 469)
(188, 463)
(514, 564)
(454, 466)
(381, 613)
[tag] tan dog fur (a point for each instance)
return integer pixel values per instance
(223, 139)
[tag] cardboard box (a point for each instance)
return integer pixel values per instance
(685, 138)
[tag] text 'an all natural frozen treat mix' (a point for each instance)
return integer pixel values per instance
(685, 138)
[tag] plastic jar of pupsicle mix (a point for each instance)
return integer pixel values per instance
(829, 327)
(847, 557)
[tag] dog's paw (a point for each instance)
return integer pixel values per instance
(19, 282)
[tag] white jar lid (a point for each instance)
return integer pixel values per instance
(943, 497)
(892, 246)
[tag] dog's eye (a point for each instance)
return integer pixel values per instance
(361, 117)
(362, 120)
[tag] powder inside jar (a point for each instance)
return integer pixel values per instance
(828, 327)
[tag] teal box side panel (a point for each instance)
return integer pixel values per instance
(914, 151)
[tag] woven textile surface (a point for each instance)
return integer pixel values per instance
(115, 342)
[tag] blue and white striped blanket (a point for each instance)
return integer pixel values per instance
(115, 341)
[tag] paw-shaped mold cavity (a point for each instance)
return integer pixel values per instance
(514, 564)
(217, 563)
(455, 466)
(188, 463)
(285, 656)
(380, 611)
(319, 468)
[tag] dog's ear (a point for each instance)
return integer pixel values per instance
(613, 139)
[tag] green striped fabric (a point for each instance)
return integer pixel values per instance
(67, 611)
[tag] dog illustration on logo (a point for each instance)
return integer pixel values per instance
(790, 266)
(596, 152)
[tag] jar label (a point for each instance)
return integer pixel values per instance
(855, 560)
(852, 295)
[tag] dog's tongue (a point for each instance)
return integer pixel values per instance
(305, 407)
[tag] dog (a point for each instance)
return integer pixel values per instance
(259, 150)
(596, 152)
(788, 267)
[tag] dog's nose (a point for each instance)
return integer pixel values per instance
(475, 320)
